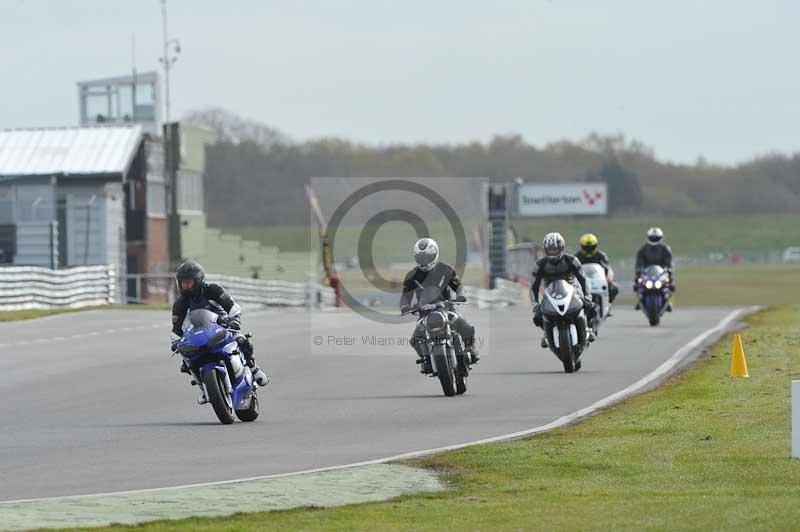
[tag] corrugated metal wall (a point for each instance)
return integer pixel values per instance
(31, 209)
(95, 224)
(37, 244)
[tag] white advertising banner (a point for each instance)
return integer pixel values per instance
(563, 199)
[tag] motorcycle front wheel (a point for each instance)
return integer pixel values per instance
(565, 349)
(216, 396)
(444, 370)
(652, 312)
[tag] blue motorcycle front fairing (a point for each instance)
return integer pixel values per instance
(207, 349)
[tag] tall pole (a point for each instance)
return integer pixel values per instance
(170, 132)
(165, 59)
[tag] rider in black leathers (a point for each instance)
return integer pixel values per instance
(430, 272)
(556, 264)
(655, 252)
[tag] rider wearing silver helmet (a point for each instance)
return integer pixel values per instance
(655, 252)
(428, 272)
(557, 264)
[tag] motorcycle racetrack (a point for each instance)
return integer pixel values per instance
(93, 402)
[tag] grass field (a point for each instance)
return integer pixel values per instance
(724, 285)
(743, 284)
(703, 452)
(748, 235)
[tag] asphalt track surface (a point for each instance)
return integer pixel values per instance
(92, 402)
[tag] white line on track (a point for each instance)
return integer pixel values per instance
(660, 372)
(84, 335)
(98, 333)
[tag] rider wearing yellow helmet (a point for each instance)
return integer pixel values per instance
(589, 252)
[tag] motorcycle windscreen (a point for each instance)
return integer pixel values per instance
(430, 295)
(202, 318)
(559, 289)
(654, 272)
(594, 270)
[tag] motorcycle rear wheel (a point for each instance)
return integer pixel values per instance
(251, 413)
(461, 375)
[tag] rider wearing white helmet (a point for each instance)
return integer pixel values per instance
(655, 252)
(556, 264)
(428, 272)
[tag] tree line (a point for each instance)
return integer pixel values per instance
(254, 183)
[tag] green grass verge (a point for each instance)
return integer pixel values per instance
(16, 315)
(724, 285)
(743, 284)
(703, 452)
(748, 235)
(739, 285)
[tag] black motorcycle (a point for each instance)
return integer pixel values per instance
(443, 347)
(565, 323)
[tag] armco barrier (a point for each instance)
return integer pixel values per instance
(276, 293)
(31, 287)
(505, 293)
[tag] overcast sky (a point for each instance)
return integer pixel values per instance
(718, 78)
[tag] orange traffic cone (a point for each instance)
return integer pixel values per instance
(738, 362)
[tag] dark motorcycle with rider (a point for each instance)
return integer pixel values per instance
(654, 278)
(443, 340)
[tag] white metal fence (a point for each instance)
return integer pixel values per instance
(31, 287)
(160, 288)
(276, 293)
(504, 294)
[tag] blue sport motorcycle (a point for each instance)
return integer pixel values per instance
(212, 355)
(653, 287)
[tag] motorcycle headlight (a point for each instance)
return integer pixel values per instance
(640, 280)
(658, 284)
(648, 284)
(434, 321)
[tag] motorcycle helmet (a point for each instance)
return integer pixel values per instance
(189, 278)
(588, 244)
(554, 246)
(654, 236)
(426, 254)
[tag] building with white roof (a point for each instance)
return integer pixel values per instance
(82, 196)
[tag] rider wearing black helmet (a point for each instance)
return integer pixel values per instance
(430, 272)
(555, 265)
(194, 293)
(655, 252)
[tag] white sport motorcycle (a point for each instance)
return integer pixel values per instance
(597, 286)
(565, 323)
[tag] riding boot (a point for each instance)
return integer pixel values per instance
(247, 348)
(422, 360)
